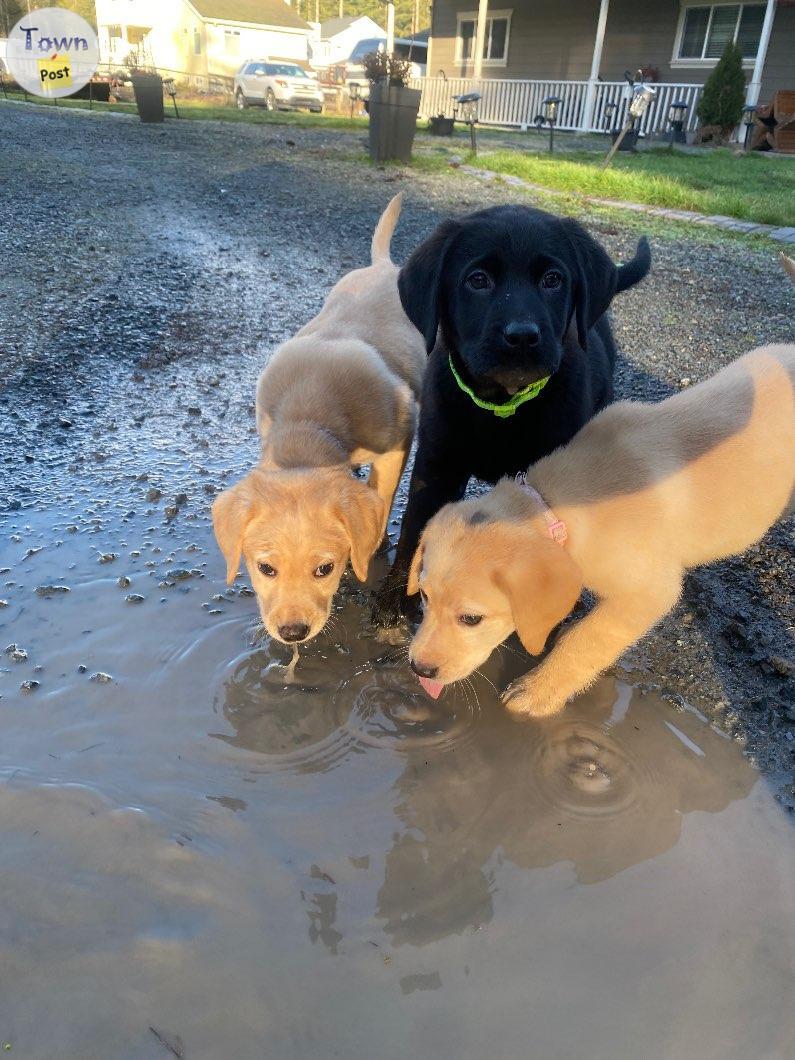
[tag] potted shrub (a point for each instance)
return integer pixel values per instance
(393, 107)
(148, 89)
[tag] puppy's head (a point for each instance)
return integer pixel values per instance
(481, 578)
(296, 530)
(504, 285)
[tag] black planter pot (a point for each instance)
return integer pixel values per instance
(630, 140)
(148, 90)
(393, 121)
(441, 126)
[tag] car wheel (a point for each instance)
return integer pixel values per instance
(270, 100)
(241, 100)
(316, 110)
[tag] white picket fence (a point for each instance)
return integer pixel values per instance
(517, 103)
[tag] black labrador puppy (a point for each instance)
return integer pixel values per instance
(511, 302)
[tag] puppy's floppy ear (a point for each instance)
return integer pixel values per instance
(420, 280)
(543, 584)
(232, 510)
(361, 512)
(596, 279)
(413, 584)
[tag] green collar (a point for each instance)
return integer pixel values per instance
(508, 409)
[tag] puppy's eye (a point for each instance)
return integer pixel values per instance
(470, 620)
(552, 279)
(267, 570)
(479, 281)
(324, 570)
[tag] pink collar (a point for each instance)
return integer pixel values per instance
(556, 527)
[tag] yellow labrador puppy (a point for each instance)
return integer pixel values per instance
(344, 391)
(640, 495)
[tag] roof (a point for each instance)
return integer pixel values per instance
(255, 12)
(332, 26)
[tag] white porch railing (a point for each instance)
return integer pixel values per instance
(655, 120)
(512, 102)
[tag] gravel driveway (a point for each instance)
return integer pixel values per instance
(146, 270)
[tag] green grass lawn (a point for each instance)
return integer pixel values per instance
(750, 187)
(197, 110)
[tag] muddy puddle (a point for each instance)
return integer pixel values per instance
(203, 861)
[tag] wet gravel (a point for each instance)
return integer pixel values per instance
(147, 270)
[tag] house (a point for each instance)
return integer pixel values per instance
(199, 37)
(337, 37)
(580, 51)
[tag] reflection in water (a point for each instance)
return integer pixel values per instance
(568, 789)
(322, 914)
(602, 786)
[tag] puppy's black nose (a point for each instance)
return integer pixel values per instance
(522, 333)
(421, 670)
(294, 632)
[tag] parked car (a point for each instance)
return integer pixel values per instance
(276, 86)
(352, 70)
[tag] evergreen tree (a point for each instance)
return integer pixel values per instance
(723, 98)
(11, 11)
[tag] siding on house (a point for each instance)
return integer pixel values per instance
(548, 44)
(780, 65)
(542, 44)
(254, 42)
(169, 44)
(177, 26)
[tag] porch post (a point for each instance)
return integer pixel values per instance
(480, 37)
(390, 27)
(755, 85)
(596, 62)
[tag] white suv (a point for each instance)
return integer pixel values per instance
(276, 86)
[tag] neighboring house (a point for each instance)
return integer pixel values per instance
(204, 37)
(581, 44)
(339, 36)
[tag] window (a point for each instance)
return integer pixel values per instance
(495, 42)
(284, 70)
(232, 42)
(705, 31)
(197, 42)
(413, 51)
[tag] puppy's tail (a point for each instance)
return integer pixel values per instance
(634, 271)
(382, 236)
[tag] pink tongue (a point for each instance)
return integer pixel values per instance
(433, 688)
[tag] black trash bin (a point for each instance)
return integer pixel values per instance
(148, 90)
(393, 121)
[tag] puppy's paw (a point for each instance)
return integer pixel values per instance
(388, 606)
(526, 697)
